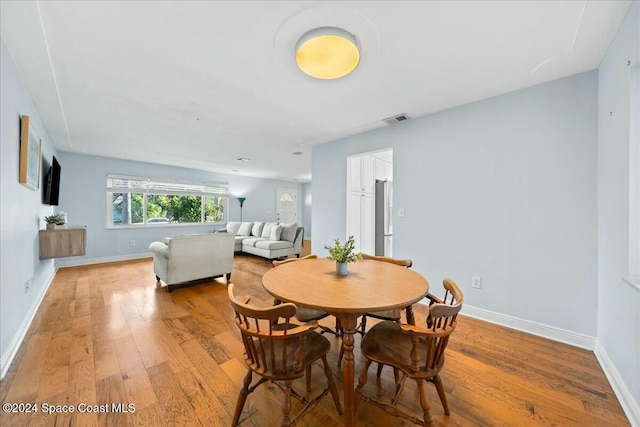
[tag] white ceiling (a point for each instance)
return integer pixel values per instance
(199, 84)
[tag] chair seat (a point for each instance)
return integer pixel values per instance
(385, 343)
(393, 315)
(315, 347)
(304, 314)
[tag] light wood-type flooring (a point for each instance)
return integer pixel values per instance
(105, 335)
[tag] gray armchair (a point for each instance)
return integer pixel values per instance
(193, 256)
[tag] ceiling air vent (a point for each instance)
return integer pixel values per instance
(396, 119)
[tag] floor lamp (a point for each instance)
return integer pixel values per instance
(241, 202)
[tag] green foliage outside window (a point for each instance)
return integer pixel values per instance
(128, 208)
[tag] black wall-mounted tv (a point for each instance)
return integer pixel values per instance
(52, 190)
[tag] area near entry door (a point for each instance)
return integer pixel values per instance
(286, 205)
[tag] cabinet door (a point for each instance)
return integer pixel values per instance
(367, 224)
(355, 174)
(384, 170)
(353, 220)
(368, 175)
(63, 242)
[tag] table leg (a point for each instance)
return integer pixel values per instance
(349, 323)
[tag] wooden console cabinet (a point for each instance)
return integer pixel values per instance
(63, 241)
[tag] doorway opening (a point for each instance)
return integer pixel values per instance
(370, 201)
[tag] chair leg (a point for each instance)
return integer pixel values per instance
(286, 405)
(361, 383)
(308, 377)
(411, 320)
(228, 277)
(398, 391)
(332, 385)
(363, 325)
(341, 355)
(443, 397)
(380, 365)
(424, 404)
(244, 392)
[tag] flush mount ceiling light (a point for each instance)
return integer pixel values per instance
(327, 53)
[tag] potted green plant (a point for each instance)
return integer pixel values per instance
(53, 220)
(343, 254)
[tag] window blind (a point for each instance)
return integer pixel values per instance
(132, 184)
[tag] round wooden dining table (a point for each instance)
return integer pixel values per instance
(370, 286)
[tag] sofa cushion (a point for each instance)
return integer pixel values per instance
(289, 231)
(256, 230)
(266, 230)
(276, 231)
(245, 229)
(251, 241)
(273, 244)
(233, 227)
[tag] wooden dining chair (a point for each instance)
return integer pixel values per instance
(417, 352)
(279, 351)
(393, 315)
(305, 314)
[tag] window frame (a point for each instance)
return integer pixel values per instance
(149, 186)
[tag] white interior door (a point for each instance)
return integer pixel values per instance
(286, 205)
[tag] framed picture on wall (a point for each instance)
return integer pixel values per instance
(30, 149)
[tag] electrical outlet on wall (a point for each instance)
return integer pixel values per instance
(27, 285)
(476, 282)
(132, 242)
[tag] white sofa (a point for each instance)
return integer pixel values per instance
(269, 240)
(192, 256)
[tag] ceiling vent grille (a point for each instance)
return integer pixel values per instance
(397, 119)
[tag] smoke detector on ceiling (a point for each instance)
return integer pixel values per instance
(397, 119)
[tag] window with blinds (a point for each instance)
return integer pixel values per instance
(139, 201)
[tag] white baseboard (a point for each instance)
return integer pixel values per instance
(87, 261)
(629, 405)
(551, 332)
(16, 342)
(307, 237)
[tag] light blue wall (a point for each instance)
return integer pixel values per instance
(21, 213)
(504, 189)
(619, 303)
(306, 209)
(83, 197)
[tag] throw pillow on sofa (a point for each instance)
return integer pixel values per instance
(245, 229)
(233, 227)
(257, 229)
(266, 230)
(288, 231)
(275, 232)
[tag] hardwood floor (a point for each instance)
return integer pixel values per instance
(105, 335)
